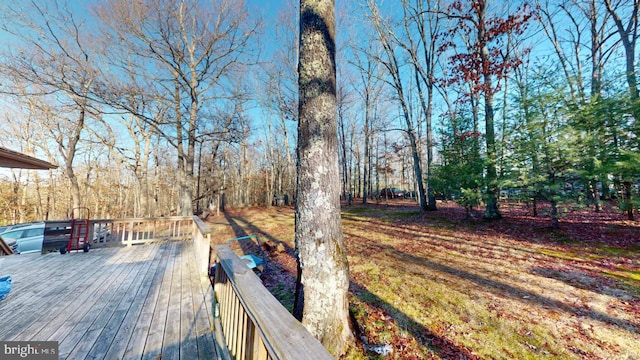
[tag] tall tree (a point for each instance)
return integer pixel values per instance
(481, 65)
(422, 15)
(459, 153)
(54, 58)
(598, 23)
(189, 48)
(549, 19)
(628, 33)
(280, 96)
(322, 285)
(369, 88)
(345, 146)
(392, 64)
(544, 146)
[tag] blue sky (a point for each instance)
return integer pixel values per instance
(269, 11)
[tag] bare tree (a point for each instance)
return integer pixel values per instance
(56, 60)
(370, 90)
(21, 128)
(279, 98)
(190, 47)
(628, 33)
(322, 285)
(592, 32)
(346, 122)
(392, 65)
(136, 155)
(422, 51)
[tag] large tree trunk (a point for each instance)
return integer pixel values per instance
(555, 223)
(628, 202)
(431, 195)
(69, 155)
(321, 301)
(367, 153)
(491, 211)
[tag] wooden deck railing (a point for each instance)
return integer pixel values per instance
(202, 245)
(126, 231)
(145, 230)
(131, 231)
(249, 323)
(253, 324)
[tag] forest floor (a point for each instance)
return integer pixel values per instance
(439, 285)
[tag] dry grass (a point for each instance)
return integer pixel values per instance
(437, 285)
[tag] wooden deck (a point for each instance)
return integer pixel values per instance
(139, 302)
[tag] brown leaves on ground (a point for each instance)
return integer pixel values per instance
(438, 285)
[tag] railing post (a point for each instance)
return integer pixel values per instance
(202, 241)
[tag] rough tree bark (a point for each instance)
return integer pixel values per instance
(322, 286)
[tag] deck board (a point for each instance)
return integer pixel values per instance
(44, 284)
(136, 344)
(73, 329)
(139, 302)
(97, 326)
(172, 327)
(155, 335)
(189, 350)
(124, 302)
(74, 305)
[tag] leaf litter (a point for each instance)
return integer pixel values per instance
(440, 285)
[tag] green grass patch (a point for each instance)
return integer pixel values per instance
(562, 238)
(284, 295)
(565, 255)
(591, 253)
(630, 278)
(405, 214)
(609, 250)
(629, 274)
(357, 210)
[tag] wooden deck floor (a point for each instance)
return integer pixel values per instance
(140, 302)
